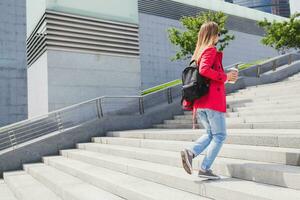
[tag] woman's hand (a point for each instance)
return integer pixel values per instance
(232, 76)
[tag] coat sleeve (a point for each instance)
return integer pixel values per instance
(205, 67)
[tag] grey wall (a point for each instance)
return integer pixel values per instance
(156, 50)
(246, 48)
(13, 86)
(76, 77)
(38, 87)
(73, 77)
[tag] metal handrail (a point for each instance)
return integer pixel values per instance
(34, 127)
(270, 64)
(68, 108)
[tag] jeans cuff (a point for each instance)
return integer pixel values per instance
(194, 153)
(203, 168)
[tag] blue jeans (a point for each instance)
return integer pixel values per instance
(214, 123)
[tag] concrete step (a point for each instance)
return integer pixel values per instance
(25, 187)
(246, 113)
(5, 192)
(67, 186)
(245, 119)
(176, 177)
(263, 94)
(266, 107)
(237, 111)
(285, 82)
(285, 112)
(279, 89)
(288, 156)
(259, 109)
(271, 98)
(265, 103)
(153, 133)
(293, 78)
(118, 182)
(188, 121)
(259, 98)
(261, 172)
(271, 138)
(230, 125)
(276, 89)
(263, 97)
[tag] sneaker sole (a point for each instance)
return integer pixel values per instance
(209, 177)
(185, 164)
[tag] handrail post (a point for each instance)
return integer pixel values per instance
(12, 138)
(258, 71)
(274, 66)
(99, 108)
(59, 122)
(169, 95)
(141, 105)
(290, 59)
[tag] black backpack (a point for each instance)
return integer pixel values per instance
(194, 85)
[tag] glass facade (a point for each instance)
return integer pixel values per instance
(232, 9)
(277, 7)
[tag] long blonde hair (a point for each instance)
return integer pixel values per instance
(206, 35)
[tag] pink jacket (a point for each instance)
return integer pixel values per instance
(215, 99)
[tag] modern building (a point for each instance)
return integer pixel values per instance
(13, 82)
(276, 7)
(79, 50)
(294, 6)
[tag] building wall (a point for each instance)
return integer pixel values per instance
(75, 77)
(13, 86)
(38, 87)
(156, 50)
(295, 6)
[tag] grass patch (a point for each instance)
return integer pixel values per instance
(178, 81)
(256, 62)
(160, 87)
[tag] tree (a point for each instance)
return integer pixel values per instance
(282, 35)
(186, 40)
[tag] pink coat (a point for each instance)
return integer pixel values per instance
(215, 99)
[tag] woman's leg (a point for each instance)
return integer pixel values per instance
(201, 143)
(218, 129)
(187, 155)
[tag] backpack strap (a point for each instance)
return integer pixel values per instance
(193, 63)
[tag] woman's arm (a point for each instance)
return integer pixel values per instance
(205, 67)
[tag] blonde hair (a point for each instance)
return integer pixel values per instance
(206, 35)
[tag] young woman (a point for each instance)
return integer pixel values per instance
(210, 109)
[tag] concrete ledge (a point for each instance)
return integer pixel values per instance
(272, 77)
(268, 65)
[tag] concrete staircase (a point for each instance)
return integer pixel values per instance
(260, 159)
